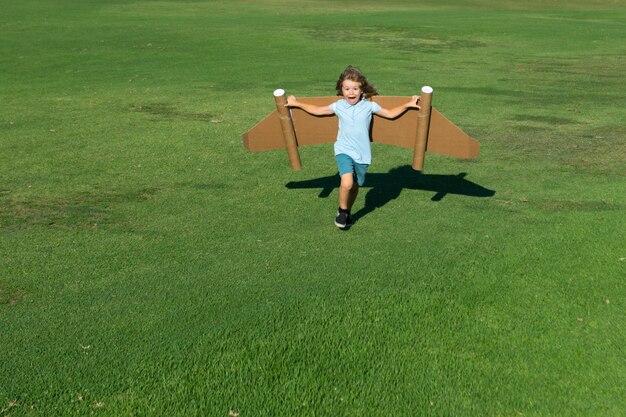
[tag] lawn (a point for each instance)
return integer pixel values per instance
(151, 266)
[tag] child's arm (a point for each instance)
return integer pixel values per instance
(397, 111)
(309, 108)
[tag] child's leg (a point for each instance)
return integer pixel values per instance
(349, 186)
(354, 191)
(359, 179)
(348, 190)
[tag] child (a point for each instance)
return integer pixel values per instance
(352, 149)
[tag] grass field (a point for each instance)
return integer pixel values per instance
(151, 266)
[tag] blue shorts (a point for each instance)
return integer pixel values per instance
(346, 165)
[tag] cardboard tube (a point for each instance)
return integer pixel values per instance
(289, 133)
(423, 123)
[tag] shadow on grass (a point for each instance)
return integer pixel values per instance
(385, 187)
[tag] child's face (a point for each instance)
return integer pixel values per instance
(351, 91)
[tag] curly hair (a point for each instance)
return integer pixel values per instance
(354, 74)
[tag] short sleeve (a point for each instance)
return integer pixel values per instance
(375, 107)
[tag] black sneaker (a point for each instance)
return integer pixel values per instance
(343, 220)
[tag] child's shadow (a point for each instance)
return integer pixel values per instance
(387, 187)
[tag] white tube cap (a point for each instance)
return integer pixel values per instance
(279, 92)
(427, 90)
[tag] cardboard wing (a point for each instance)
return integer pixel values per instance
(443, 136)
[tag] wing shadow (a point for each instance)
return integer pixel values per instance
(385, 187)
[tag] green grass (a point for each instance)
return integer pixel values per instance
(151, 266)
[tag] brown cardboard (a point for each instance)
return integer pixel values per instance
(423, 125)
(443, 136)
(286, 124)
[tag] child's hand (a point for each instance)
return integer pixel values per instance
(291, 102)
(414, 103)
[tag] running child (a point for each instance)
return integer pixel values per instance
(353, 152)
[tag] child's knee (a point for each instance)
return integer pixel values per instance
(347, 182)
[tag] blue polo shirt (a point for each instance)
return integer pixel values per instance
(353, 138)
